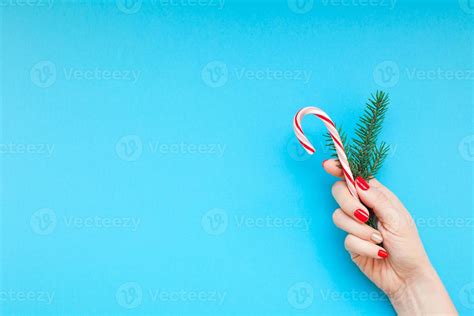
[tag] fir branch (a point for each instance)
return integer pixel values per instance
(332, 147)
(380, 153)
(369, 127)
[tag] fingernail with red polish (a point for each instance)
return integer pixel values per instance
(362, 184)
(361, 215)
(382, 253)
(324, 161)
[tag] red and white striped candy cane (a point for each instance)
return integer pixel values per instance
(341, 154)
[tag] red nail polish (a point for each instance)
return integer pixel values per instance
(362, 184)
(324, 162)
(382, 253)
(361, 215)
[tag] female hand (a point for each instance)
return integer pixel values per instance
(392, 256)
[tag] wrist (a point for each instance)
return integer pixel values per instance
(424, 293)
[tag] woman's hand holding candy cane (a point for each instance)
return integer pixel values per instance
(401, 268)
(406, 275)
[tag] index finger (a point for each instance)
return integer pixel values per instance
(333, 167)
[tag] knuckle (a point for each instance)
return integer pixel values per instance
(380, 198)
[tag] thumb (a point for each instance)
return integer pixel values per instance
(379, 202)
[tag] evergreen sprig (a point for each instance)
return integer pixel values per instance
(365, 156)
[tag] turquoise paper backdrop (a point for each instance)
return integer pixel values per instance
(148, 162)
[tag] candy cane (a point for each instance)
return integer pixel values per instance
(341, 154)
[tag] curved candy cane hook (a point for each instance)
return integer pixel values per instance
(341, 154)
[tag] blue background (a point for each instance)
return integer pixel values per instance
(190, 205)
